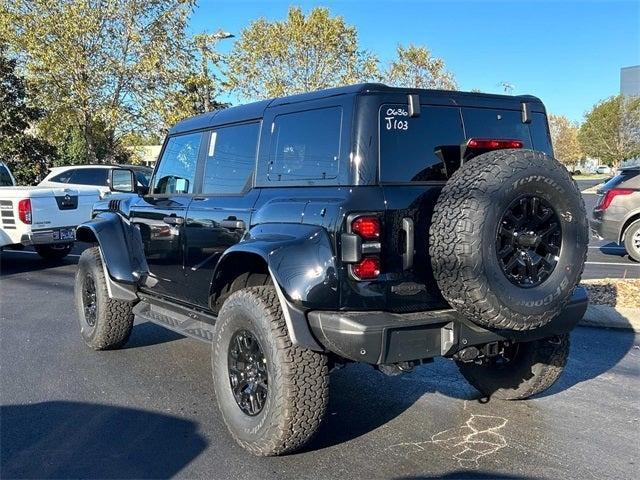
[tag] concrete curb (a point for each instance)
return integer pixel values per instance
(612, 317)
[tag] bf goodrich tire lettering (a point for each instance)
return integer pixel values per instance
(464, 232)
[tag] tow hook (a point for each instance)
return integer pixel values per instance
(471, 354)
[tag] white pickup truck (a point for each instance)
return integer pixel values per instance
(43, 217)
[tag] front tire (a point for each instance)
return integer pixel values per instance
(632, 240)
(289, 384)
(526, 369)
(105, 323)
(54, 251)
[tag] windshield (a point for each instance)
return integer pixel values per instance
(5, 177)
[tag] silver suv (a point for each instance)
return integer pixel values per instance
(616, 216)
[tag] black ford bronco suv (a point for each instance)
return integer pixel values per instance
(358, 224)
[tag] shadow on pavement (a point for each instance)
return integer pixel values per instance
(83, 440)
(594, 351)
(12, 262)
(362, 400)
(147, 334)
(612, 248)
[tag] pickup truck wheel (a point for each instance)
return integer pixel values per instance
(632, 240)
(104, 323)
(54, 251)
(525, 369)
(508, 239)
(272, 394)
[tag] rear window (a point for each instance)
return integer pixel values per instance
(306, 145)
(62, 177)
(5, 178)
(490, 123)
(418, 149)
(623, 176)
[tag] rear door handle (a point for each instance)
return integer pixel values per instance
(407, 256)
(173, 220)
(233, 224)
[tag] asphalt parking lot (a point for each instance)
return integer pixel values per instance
(148, 410)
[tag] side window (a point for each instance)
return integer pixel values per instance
(306, 145)
(90, 176)
(231, 159)
(177, 168)
(62, 177)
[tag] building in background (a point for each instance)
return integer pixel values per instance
(145, 154)
(630, 81)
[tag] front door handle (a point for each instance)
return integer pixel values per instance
(232, 224)
(173, 220)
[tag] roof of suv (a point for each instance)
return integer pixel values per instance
(253, 111)
(132, 167)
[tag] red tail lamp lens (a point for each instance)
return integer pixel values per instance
(367, 227)
(24, 211)
(367, 269)
(611, 194)
(493, 143)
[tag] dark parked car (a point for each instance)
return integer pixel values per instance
(616, 216)
(360, 224)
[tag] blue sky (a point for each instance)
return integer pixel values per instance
(568, 53)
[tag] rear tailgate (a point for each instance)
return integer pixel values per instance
(61, 207)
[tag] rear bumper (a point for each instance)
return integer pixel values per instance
(48, 236)
(604, 227)
(384, 338)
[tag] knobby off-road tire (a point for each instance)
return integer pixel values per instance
(534, 367)
(54, 251)
(465, 228)
(632, 240)
(109, 325)
(298, 379)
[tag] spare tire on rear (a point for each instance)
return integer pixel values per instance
(508, 239)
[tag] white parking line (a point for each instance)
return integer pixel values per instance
(612, 263)
(35, 253)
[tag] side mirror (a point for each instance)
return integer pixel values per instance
(122, 180)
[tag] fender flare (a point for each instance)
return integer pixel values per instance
(121, 251)
(301, 263)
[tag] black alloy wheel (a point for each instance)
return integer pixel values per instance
(247, 372)
(528, 241)
(89, 301)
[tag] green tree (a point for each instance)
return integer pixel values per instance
(97, 67)
(297, 54)
(564, 136)
(416, 67)
(611, 130)
(27, 156)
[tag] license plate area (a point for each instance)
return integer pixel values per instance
(64, 234)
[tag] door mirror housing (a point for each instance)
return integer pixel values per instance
(122, 180)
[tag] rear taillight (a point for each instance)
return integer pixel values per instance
(611, 194)
(361, 246)
(24, 211)
(367, 227)
(366, 269)
(493, 143)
